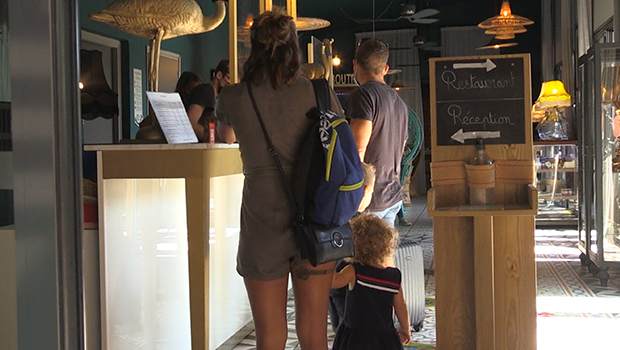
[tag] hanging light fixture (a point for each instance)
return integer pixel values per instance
(308, 23)
(505, 25)
(301, 23)
(304, 23)
(418, 40)
(336, 61)
(496, 44)
(398, 85)
(505, 33)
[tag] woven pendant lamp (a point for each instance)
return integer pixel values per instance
(505, 25)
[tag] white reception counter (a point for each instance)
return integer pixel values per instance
(169, 228)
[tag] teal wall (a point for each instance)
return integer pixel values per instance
(199, 53)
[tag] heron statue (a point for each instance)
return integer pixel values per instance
(159, 20)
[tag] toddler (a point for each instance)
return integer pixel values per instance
(373, 291)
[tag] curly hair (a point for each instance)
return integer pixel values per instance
(275, 53)
(374, 240)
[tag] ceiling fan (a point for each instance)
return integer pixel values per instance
(407, 11)
(420, 42)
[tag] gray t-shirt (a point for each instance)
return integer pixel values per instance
(388, 113)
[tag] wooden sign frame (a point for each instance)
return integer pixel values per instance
(485, 269)
(439, 150)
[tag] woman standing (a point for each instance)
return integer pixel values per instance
(267, 248)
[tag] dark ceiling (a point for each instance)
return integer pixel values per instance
(453, 13)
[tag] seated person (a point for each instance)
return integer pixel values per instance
(337, 296)
(186, 83)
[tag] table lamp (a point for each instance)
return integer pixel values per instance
(552, 97)
(96, 96)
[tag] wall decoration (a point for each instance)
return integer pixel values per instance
(137, 97)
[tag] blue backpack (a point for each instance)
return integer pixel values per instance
(334, 186)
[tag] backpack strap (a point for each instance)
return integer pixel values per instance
(321, 92)
(305, 186)
(274, 154)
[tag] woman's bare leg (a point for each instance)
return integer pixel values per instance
(311, 286)
(268, 302)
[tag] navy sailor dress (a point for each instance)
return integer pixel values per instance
(368, 322)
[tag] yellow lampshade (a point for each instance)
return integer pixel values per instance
(553, 94)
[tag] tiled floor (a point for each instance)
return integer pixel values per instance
(570, 300)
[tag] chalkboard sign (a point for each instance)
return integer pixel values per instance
(479, 97)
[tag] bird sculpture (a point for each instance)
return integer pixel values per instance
(326, 57)
(158, 20)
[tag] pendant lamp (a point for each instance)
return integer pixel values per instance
(496, 43)
(301, 23)
(505, 25)
(398, 85)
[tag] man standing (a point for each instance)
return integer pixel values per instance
(379, 124)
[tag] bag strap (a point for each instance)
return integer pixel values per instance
(274, 154)
(321, 92)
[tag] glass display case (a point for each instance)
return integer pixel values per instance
(599, 105)
(557, 181)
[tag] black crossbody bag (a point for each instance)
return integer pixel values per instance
(316, 243)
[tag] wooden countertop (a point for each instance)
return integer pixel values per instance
(159, 146)
(11, 229)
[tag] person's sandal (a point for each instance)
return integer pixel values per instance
(404, 222)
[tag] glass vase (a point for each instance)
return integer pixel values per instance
(553, 126)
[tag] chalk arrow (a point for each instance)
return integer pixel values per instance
(461, 136)
(488, 64)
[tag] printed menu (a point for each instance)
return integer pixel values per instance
(172, 117)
